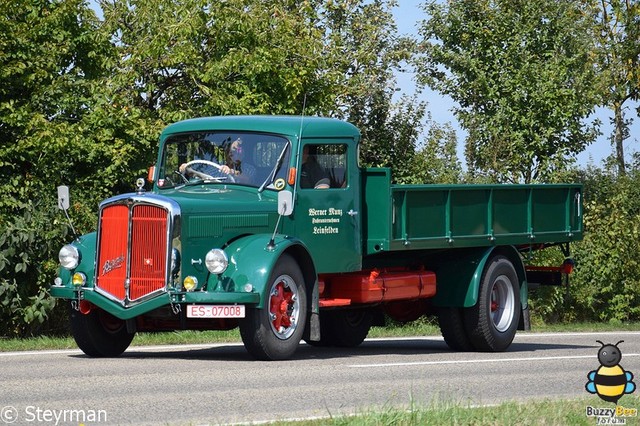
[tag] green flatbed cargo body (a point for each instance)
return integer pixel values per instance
(418, 217)
(269, 224)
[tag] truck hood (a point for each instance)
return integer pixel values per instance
(221, 199)
(210, 213)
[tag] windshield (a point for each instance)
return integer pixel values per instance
(240, 158)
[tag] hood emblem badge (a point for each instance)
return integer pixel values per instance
(112, 264)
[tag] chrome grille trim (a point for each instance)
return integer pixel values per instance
(171, 239)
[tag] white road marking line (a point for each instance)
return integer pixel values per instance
(586, 333)
(474, 361)
(51, 352)
(131, 349)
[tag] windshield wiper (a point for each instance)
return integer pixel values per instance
(191, 183)
(273, 173)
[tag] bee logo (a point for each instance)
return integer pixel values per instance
(610, 381)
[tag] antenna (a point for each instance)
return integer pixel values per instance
(304, 107)
(299, 150)
(272, 242)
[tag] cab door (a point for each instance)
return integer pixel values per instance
(327, 219)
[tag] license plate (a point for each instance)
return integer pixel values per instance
(215, 311)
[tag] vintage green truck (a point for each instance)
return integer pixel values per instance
(270, 224)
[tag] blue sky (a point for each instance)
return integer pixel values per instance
(408, 15)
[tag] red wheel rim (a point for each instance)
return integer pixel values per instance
(284, 307)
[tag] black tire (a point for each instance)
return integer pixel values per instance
(349, 327)
(492, 323)
(451, 323)
(345, 328)
(277, 338)
(326, 335)
(98, 333)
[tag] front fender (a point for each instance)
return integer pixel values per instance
(86, 245)
(251, 261)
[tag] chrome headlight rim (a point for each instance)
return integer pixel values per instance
(79, 279)
(216, 261)
(69, 257)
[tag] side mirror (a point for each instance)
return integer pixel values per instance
(63, 197)
(63, 204)
(285, 203)
(150, 173)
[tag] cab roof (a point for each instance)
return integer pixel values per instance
(312, 127)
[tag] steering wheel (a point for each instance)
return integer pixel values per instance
(204, 175)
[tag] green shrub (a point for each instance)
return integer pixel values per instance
(28, 251)
(606, 283)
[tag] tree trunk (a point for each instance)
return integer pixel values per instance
(619, 137)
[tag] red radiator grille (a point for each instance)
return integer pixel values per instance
(148, 251)
(145, 258)
(113, 253)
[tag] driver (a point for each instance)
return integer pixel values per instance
(235, 166)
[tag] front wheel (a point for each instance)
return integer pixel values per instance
(98, 333)
(274, 332)
(491, 324)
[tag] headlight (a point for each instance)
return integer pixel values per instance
(216, 261)
(69, 257)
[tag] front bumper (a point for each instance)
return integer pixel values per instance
(165, 299)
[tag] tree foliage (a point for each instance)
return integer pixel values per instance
(83, 101)
(521, 75)
(363, 50)
(48, 63)
(202, 57)
(436, 160)
(617, 35)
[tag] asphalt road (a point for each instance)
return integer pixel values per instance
(212, 384)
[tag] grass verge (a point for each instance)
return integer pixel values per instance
(547, 412)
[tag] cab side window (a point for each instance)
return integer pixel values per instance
(324, 166)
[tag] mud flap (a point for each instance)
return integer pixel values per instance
(525, 320)
(312, 331)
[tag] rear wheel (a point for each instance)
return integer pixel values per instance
(349, 327)
(451, 323)
(98, 333)
(274, 332)
(326, 335)
(491, 324)
(346, 328)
